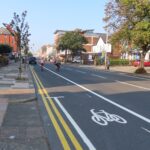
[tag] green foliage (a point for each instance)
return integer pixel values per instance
(73, 41)
(116, 62)
(30, 54)
(129, 20)
(4, 49)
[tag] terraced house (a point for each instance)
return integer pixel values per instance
(7, 38)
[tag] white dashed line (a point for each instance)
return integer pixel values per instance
(145, 129)
(140, 87)
(80, 71)
(98, 76)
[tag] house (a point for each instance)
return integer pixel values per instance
(101, 46)
(47, 52)
(7, 38)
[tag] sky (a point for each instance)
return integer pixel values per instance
(46, 16)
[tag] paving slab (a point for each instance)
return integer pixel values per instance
(3, 108)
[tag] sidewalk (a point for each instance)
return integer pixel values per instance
(122, 69)
(21, 127)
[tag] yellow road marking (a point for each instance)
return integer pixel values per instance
(55, 124)
(66, 127)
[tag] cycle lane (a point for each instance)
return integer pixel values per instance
(114, 135)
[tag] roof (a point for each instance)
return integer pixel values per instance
(103, 36)
(4, 31)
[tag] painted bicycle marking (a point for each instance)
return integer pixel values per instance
(102, 117)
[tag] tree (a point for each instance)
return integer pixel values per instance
(30, 54)
(129, 20)
(20, 30)
(72, 41)
(5, 49)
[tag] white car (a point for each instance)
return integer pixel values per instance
(76, 60)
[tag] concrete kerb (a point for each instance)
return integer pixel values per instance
(34, 98)
(31, 99)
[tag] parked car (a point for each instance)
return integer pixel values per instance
(76, 59)
(32, 60)
(137, 63)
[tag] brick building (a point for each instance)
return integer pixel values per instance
(7, 38)
(92, 38)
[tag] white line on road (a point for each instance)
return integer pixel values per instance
(104, 98)
(140, 87)
(68, 69)
(145, 129)
(80, 71)
(145, 78)
(78, 129)
(89, 95)
(98, 76)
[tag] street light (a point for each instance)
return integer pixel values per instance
(106, 50)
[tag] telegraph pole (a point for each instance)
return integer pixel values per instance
(106, 50)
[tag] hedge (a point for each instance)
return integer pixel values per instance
(120, 62)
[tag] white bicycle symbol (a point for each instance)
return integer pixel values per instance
(102, 117)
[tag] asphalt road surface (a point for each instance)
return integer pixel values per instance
(87, 109)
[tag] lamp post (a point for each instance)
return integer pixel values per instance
(106, 50)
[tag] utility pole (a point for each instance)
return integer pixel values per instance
(106, 50)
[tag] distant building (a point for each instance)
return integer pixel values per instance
(7, 38)
(46, 52)
(96, 42)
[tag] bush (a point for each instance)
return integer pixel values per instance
(117, 62)
(4, 60)
(140, 71)
(5, 49)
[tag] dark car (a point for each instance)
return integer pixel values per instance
(32, 60)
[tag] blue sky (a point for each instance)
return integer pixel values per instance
(46, 16)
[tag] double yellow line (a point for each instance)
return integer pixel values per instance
(48, 102)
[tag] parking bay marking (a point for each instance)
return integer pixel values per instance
(102, 97)
(145, 129)
(98, 76)
(80, 71)
(137, 86)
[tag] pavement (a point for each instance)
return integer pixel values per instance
(21, 125)
(121, 69)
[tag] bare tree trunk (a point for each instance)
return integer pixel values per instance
(142, 61)
(65, 56)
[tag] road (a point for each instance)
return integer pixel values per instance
(87, 109)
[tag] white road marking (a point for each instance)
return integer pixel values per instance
(104, 98)
(80, 71)
(98, 76)
(132, 76)
(56, 97)
(75, 125)
(140, 87)
(145, 129)
(89, 95)
(135, 77)
(68, 69)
